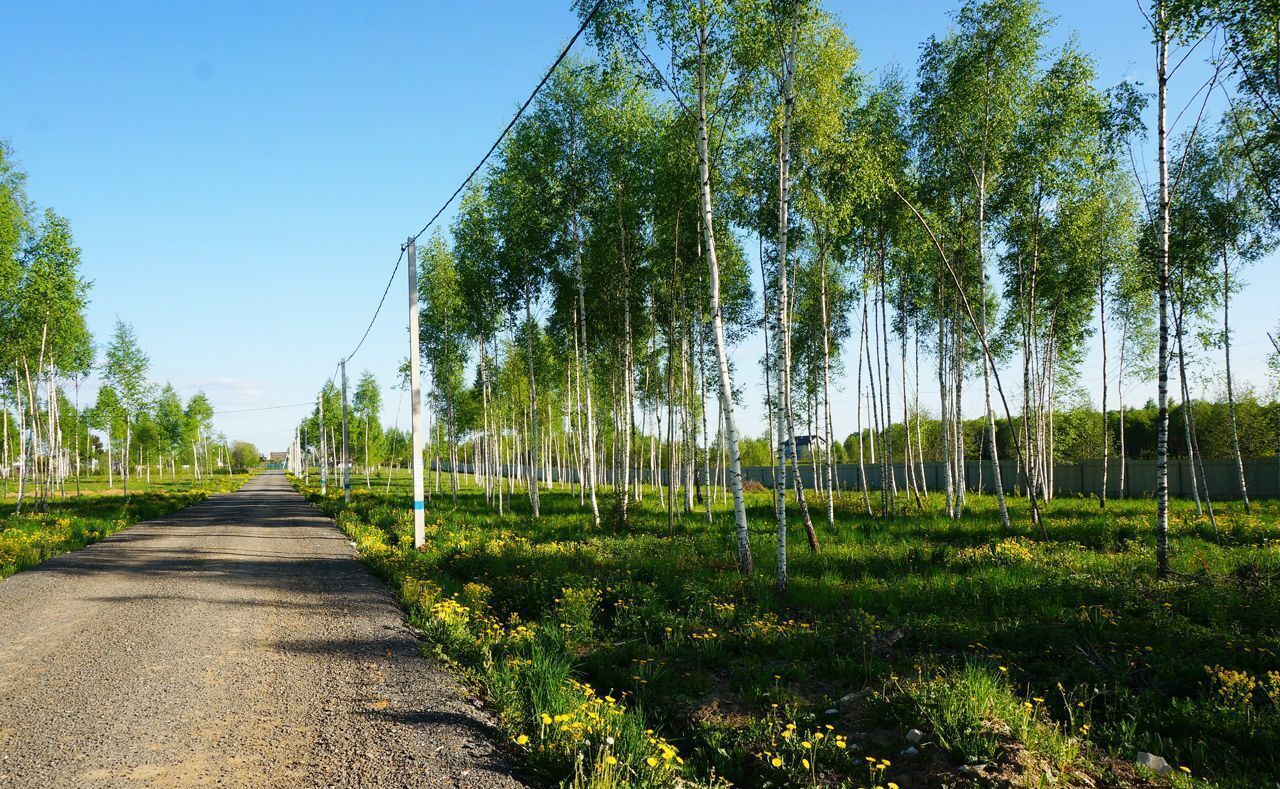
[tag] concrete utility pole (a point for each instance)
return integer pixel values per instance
(415, 399)
(346, 462)
(324, 458)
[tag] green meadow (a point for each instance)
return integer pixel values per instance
(909, 651)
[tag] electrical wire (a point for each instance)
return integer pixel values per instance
(381, 301)
(470, 176)
(510, 125)
(263, 408)
(563, 54)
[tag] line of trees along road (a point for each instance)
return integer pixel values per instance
(49, 438)
(968, 231)
(371, 445)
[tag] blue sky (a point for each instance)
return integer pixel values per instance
(240, 175)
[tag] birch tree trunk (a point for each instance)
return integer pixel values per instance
(1102, 333)
(908, 457)
(128, 434)
(1188, 426)
(784, 328)
(22, 440)
(944, 407)
(1275, 344)
(1226, 350)
(874, 405)
(826, 393)
(585, 376)
(924, 484)
(533, 403)
(862, 468)
(986, 357)
(628, 384)
(889, 487)
(717, 318)
(1162, 385)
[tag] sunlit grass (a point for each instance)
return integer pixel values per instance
(1068, 648)
(31, 537)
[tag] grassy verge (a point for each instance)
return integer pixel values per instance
(30, 538)
(630, 657)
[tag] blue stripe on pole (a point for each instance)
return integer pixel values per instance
(419, 505)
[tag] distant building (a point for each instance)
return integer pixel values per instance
(278, 457)
(804, 446)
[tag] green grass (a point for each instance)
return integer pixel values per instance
(29, 538)
(1068, 649)
(100, 483)
(974, 714)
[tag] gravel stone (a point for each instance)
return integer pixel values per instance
(1153, 762)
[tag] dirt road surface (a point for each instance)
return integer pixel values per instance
(236, 643)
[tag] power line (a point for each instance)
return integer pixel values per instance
(563, 54)
(470, 176)
(510, 125)
(381, 301)
(263, 408)
(267, 433)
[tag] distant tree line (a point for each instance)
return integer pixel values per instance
(48, 438)
(1079, 435)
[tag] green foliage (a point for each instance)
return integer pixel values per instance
(125, 368)
(244, 456)
(369, 441)
(1098, 658)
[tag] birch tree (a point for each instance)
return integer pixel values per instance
(975, 84)
(367, 407)
(125, 369)
(443, 340)
(696, 35)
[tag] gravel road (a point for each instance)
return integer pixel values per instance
(236, 643)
